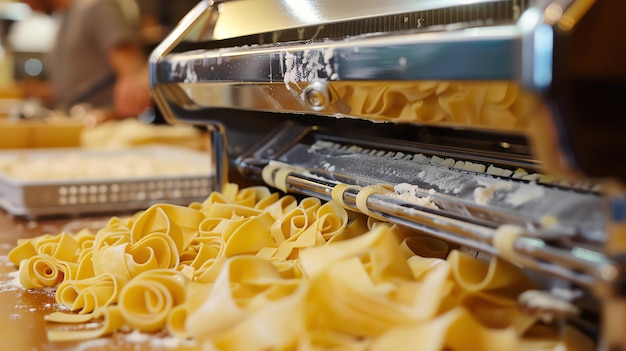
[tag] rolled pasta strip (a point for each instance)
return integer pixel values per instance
(454, 330)
(379, 245)
(145, 302)
(280, 179)
(310, 205)
(266, 253)
(117, 231)
(497, 315)
(282, 206)
(268, 174)
(230, 190)
(154, 251)
(213, 198)
(263, 203)
(89, 295)
(85, 266)
(371, 311)
(196, 295)
(425, 246)
(44, 271)
(71, 318)
(111, 260)
(344, 298)
(287, 269)
(354, 228)
(209, 248)
(251, 196)
(190, 253)
(23, 251)
(250, 237)
(427, 296)
(219, 302)
(231, 211)
(195, 205)
(275, 174)
(178, 222)
(504, 241)
(156, 219)
(111, 236)
(226, 227)
(251, 275)
(209, 227)
(209, 270)
(497, 276)
(422, 265)
(310, 237)
(213, 227)
(338, 192)
(332, 219)
(113, 321)
(175, 323)
(122, 223)
(290, 224)
(275, 325)
(86, 251)
(366, 192)
(187, 271)
(63, 247)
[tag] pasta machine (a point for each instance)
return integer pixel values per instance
(467, 118)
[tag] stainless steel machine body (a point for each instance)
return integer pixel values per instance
(498, 112)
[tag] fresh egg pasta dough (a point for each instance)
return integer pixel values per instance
(248, 269)
(43, 270)
(90, 294)
(364, 194)
(494, 104)
(146, 301)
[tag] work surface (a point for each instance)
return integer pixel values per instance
(22, 324)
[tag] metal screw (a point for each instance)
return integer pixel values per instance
(316, 95)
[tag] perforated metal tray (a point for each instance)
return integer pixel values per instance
(184, 176)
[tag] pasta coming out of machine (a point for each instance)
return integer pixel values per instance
(495, 125)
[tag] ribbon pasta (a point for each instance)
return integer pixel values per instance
(248, 269)
(494, 104)
(90, 294)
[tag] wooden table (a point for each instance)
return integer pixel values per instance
(22, 324)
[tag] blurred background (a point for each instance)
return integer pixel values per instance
(27, 37)
(39, 134)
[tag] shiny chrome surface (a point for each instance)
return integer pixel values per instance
(239, 18)
(468, 54)
(281, 77)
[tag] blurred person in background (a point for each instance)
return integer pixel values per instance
(97, 57)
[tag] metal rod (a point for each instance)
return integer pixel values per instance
(218, 154)
(559, 262)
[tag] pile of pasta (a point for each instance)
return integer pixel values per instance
(491, 104)
(250, 269)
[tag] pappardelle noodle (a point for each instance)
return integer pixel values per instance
(249, 269)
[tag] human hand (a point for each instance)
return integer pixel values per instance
(131, 94)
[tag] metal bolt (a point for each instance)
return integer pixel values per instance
(316, 95)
